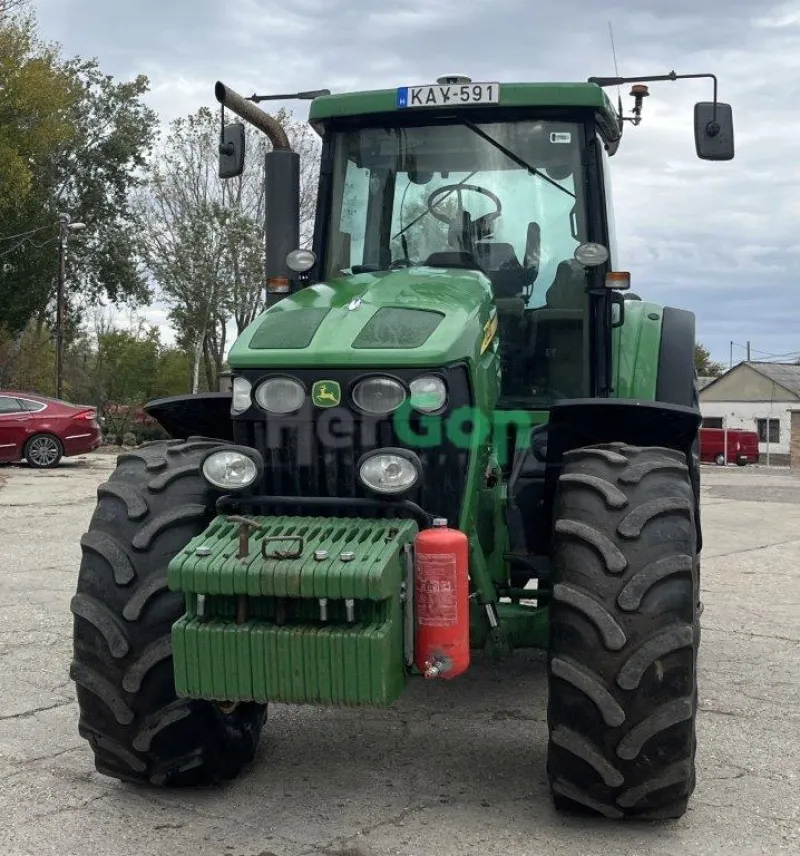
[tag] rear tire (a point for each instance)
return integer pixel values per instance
(719, 460)
(624, 634)
(153, 504)
(43, 451)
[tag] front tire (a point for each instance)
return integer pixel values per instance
(719, 460)
(153, 504)
(622, 660)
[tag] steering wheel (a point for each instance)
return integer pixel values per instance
(485, 220)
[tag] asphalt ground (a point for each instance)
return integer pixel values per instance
(452, 769)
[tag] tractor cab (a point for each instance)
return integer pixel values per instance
(502, 192)
(510, 190)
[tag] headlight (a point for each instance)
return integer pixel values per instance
(428, 394)
(228, 469)
(390, 471)
(281, 395)
(379, 395)
(242, 390)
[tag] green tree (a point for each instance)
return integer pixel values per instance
(706, 367)
(72, 140)
(129, 365)
(174, 375)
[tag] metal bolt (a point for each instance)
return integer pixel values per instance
(203, 551)
(350, 609)
(347, 557)
(201, 605)
(323, 609)
(320, 555)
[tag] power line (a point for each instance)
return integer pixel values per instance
(23, 234)
(790, 355)
(768, 355)
(27, 241)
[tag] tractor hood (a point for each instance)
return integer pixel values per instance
(418, 316)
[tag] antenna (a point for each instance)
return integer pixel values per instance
(616, 69)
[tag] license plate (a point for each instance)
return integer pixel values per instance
(448, 95)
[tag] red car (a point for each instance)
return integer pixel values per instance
(43, 430)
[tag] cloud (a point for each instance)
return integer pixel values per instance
(717, 238)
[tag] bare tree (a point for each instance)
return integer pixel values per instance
(8, 6)
(204, 237)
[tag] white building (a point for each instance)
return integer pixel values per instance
(757, 397)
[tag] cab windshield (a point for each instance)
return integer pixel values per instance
(502, 197)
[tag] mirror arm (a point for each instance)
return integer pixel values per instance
(712, 128)
(224, 148)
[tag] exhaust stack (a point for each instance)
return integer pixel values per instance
(252, 114)
(282, 191)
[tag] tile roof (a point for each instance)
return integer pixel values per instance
(786, 375)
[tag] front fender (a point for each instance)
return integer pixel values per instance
(206, 414)
(589, 421)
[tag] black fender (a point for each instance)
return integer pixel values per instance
(677, 383)
(581, 422)
(206, 414)
(676, 372)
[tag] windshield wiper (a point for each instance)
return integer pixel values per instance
(427, 211)
(509, 154)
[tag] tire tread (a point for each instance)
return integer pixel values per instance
(622, 660)
(152, 505)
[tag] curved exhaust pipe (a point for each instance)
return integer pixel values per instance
(252, 114)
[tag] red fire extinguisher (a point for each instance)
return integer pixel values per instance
(441, 599)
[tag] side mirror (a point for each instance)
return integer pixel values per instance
(713, 136)
(231, 151)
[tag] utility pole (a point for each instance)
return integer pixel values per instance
(748, 352)
(63, 223)
(64, 227)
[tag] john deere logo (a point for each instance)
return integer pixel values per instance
(326, 393)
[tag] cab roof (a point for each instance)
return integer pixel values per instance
(587, 95)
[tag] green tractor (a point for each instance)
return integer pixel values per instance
(452, 429)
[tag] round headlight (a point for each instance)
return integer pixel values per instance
(378, 395)
(389, 472)
(300, 261)
(281, 395)
(241, 400)
(229, 470)
(428, 393)
(591, 255)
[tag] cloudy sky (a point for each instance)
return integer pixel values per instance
(721, 239)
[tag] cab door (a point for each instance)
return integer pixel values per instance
(14, 421)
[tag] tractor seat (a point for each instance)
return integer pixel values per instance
(568, 290)
(500, 263)
(496, 256)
